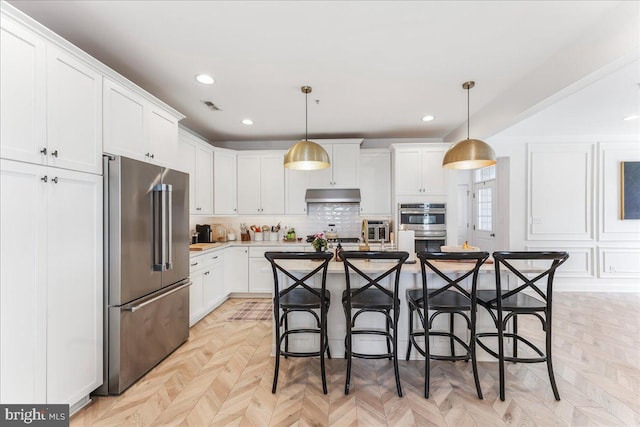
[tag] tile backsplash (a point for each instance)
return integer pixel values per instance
(346, 217)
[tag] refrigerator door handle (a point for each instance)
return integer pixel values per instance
(135, 308)
(159, 216)
(169, 209)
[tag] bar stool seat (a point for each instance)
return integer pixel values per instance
(369, 298)
(445, 300)
(303, 299)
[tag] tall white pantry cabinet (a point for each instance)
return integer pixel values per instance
(50, 220)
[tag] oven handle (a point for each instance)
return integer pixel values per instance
(423, 212)
(430, 238)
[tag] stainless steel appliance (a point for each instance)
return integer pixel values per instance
(146, 268)
(378, 230)
(428, 221)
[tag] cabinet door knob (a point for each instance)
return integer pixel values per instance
(214, 257)
(55, 153)
(44, 151)
(147, 155)
(54, 179)
(153, 156)
(206, 272)
(44, 178)
(198, 209)
(194, 264)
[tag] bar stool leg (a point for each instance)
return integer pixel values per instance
(276, 317)
(501, 354)
(411, 309)
(451, 342)
(472, 348)
(396, 313)
(427, 359)
(552, 377)
(515, 334)
(347, 349)
(323, 328)
(286, 328)
(388, 314)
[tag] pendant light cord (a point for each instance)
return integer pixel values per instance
(468, 89)
(306, 116)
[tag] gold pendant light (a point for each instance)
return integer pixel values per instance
(306, 155)
(470, 153)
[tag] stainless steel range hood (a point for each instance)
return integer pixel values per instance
(333, 195)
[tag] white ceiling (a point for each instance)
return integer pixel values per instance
(376, 67)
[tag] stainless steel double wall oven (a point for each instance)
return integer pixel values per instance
(428, 221)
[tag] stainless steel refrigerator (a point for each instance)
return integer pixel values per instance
(146, 268)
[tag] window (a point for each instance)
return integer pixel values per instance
(484, 174)
(484, 211)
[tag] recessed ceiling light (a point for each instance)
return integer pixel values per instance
(247, 122)
(205, 79)
(632, 117)
(428, 118)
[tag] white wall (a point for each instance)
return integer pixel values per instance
(574, 182)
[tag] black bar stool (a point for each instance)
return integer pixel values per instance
(450, 298)
(372, 297)
(300, 297)
(516, 302)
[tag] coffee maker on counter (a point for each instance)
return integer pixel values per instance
(211, 233)
(204, 233)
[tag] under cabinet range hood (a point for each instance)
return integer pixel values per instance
(333, 195)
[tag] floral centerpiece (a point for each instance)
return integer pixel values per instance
(319, 242)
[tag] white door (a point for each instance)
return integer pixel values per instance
(434, 176)
(204, 181)
(224, 183)
(464, 222)
(322, 178)
(22, 95)
(407, 170)
(296, 188)
(249, 178)
(187, 163)
(74, 113)
(236, 270)
(74, 290)
(272, 185)
(484, 215)
(23, 282)
(375, 183)
(345, 164)
(162, 142)
(124, 121)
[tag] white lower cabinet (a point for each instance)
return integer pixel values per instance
(207, 288)
(236, 270)
(260, 271)
(50, 284)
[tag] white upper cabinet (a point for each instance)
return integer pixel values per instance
(418, 170)
(297, 182)
(196, 158)
(224, 182)
(74, 113)
(375, 182)
(136, 128)
(22, 94)
(123, 121)
(162, 144)
(51, 104)
(260, 183)
(344, 169)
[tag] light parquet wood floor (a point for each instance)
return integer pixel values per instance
(222, 377)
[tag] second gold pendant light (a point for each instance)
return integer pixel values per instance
(470, 153)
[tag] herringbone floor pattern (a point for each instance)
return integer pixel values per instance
(222, 377)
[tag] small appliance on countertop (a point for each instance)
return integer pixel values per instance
(204, 233)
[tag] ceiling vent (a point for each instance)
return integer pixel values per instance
(211, 105)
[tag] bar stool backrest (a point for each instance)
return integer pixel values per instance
(505, 258)
(427, 258)
(274, 257)
(399, 257)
